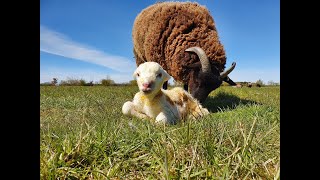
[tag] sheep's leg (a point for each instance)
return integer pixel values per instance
(165, 85)
(129, 110)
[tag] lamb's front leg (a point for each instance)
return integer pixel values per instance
(129, 110)
(165, 118)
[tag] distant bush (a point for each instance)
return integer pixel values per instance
(54, 81)
(73, 82)
(89, 83)
(133, 83)
(272, 83)
(259, 83)
(82, 82)
(107, 82)
(46, 84)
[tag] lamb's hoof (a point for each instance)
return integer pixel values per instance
(126, 108)
(162, 119)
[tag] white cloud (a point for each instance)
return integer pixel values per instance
(58, 44)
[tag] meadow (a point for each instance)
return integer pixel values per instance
(84, 135)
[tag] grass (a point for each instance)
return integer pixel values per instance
(84, 135)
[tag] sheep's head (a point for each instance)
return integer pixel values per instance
(205, 78)
(150, 77)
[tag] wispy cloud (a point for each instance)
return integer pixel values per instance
(59, 44)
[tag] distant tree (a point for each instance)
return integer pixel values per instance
(259, 83)
(272, 83)
(107, 82)
(82, 82)
(133, 83)
(89, 83)
(54, 81)
(73, 82)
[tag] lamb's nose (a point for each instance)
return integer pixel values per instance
(147, 85)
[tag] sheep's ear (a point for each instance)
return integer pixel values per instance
(196, 65)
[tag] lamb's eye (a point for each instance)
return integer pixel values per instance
(159, 75)
(138, 74)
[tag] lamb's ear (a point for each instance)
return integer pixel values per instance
(166, 76)
(135, 74)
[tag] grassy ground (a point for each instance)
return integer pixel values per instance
(84, 135)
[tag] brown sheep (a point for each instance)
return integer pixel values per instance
(182, 38)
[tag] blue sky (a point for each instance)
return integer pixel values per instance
(91, 39)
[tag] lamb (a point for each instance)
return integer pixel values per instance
(165, 106)
(182, 38)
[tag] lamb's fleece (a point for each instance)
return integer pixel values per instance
(164, 106)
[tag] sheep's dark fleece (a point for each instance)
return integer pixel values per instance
(163, 31)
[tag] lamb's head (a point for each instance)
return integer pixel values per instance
(150, 77)
(205, 78)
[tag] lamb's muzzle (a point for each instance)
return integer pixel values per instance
(147, 86)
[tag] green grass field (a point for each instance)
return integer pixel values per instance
(83, 135)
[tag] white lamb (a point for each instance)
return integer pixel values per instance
(165, 106)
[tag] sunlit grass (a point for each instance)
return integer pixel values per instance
(85, 136)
